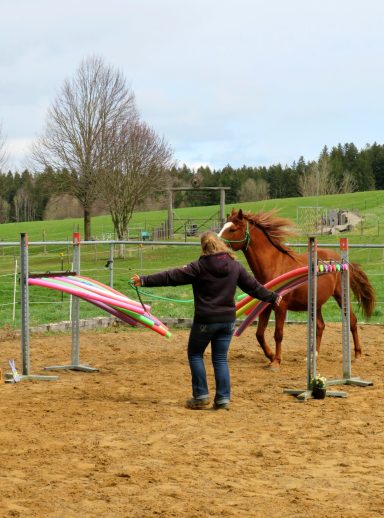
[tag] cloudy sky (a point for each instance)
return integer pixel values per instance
(224, 81)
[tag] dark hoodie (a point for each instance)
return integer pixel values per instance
(214, 279)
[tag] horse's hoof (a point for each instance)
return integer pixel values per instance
(274, 367)
(358, 355)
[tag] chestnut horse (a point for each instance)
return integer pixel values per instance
(260, 237)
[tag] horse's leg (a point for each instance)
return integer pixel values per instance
(353, 323)
(280, 314)
(260, 332)
(355, 336)
(320, 325)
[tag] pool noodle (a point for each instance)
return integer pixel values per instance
(131, 313)
(248, 307)
(100, 291)
(81, 293)
(293, 283)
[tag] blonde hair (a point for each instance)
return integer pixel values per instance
(212, 244)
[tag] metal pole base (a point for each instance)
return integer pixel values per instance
(9, 378)
(350, 381)
(83, 368)
(303, 395)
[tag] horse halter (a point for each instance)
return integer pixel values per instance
(246, 239)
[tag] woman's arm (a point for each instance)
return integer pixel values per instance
(253, 287)
(174, 277)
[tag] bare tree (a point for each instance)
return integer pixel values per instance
(140, 165)
(89, 110)
(349, 183)
(23, 203)
(4, 210)
(317, 179)
(3, 149)
(254, 190)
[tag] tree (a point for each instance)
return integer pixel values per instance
(139, 165)
(4, 210)
(81, 122)
(318, 180)
(276, 180)
(23, 205)
(254, 190)
(348, 184)
(374, 155)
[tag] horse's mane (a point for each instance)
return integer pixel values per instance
(275, 228)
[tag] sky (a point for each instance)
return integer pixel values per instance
(239, 82)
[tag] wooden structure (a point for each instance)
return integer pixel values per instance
(170, 203)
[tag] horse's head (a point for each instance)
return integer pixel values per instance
(235, 231)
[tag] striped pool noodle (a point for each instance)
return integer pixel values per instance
(116, 313)
(147, 307)
(100, 291)
(96, 283)
(131, 313)
(270, 284)
(255, 311)
(81, 293)
(245, 307)
(286, 286)
(156, 321)
(297, 281)
(147, 321)
(143, 319)
(91, 284)
(259, 308)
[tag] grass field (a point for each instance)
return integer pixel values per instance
(47, 306)
(370, 204)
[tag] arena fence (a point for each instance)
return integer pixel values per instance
(101, 260)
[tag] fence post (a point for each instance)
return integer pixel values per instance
(347, 378)
(75, 317)
(14, 292)
(24, 300)
(303, 395)
(312, 303)
(75, 312)
(110, 263)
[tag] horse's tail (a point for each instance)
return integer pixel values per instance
(363, 289)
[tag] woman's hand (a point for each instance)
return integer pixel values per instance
(278, 300)
(136, 280)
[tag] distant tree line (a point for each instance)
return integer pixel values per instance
(342, 169)
(24, 196)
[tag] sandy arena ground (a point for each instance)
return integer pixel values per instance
(119, 443)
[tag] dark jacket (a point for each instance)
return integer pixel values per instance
(214, 279)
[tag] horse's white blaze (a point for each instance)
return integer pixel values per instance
(226, 225)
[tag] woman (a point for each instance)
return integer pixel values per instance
(214, 278)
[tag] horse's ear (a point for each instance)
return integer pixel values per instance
(233, 212)
(240, 214)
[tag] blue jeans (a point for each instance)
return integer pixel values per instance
(220, 336)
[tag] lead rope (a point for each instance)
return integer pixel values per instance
(155, 296)
(132, 284)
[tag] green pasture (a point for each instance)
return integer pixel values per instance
(48, 306)
(370, 204)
